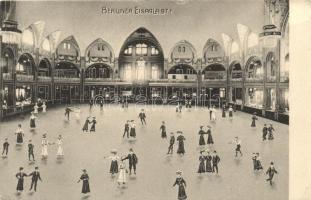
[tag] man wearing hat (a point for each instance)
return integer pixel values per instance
(142, 117)
(30, 151)
(35, 176)
(238, 147)
(215, 160)
(271, 171)
(264, 132)
(126, 129)
(172, 141)
(132, 160)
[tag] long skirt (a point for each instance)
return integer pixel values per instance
(133, 132)
(223, 114)
(210, 139)
(60, 151)
(181, 148)
(201, 167)
(230, 114)
(44, 151)
(85, 187)
(19, 138)
(114, 167)
(32, 123)
(181, 192)
(122, 176)
(92, 128)
(163, 134)
(253, 123)
(258, 165)
(213, 116)
(20, 185)
(85, 126)
(201, 140)
(209, 166)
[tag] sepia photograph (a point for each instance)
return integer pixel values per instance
(144, 100)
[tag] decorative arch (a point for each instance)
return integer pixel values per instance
(98, 70)
(214, 71)
(213, 51)
(68, 50)
(9, 60)
(254, 68)
(67, 69)
(182, 69)
(252, 40)
(44, 68)
(183, 52)
(99, 51)
(235, 69)
(25, 65)
(32, 35)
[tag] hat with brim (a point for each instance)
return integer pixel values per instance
(208, 126)
(179, 172)
(84, 170)
(21, 168)
(180, 132)
(201, 126)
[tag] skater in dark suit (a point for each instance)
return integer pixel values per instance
(181, 186)
(126, 129)
(254, 118)
(223, 111)
(264, 132)
(67, 112)
(172, 141)
(215, 161)
(35, 176)
(210, 112)
(270, 132)
(5, 148)
(93, 122)
(20, 183)
(132, 160)
(85, 182)
(142, 117)
(163, 130)
(271, 171)
(30, 151)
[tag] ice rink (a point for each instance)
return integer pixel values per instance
(155, 170)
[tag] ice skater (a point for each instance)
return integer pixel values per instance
(32, 120)
(126, 129)
(210, 112)
(20, 177)
(133, 129)
(213, 114)
(230, 111)
(215, 161)
(35, 177)
(264, 132)
(271, 171)
(163, 130)
(258, 162)
(224, 111)
(172, 141)
(181, 146)
(114, 162)
(35, 109)
(133, 160)
(30, 151)
(43, 107)
(237, 143)
(210, 140)
(44, 145)
(122, 173)
(142, 117)
(5, 149)
(91, 103)
(93, 125)
(60, 150)
(85, 182)
(67, 112)
(181, 186)
(201, 139)
(254, 118)
(201, 163)
(19, 135)
(208, 164)
(270, 132)
(86, 125)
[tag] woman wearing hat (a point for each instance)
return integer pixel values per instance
(85, 184)
(224, 111)
(213, 113)
(254, 118)
(209, 136)
(20, 177)
(44, 144)
(86, 125)
(181, 147)
(270, 132)
(209, 160)
(201, 133)
(181, 186)
(163, 130)
(230, 111)
(122, 173)
(19, 135)
(202, 163)
(93, 122)
(114, 162)
(133, 130)
(32, 120)
(60, 151)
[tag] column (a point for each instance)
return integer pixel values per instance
(1, 79)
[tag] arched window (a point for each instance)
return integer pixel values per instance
(141, 49)
(154, 51)
(128, 50)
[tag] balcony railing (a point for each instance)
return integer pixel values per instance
(99, 79)
(66, 79)
(236, 79)
(44, 78)
(172, 80)
(255, 79)
(7, 76)
(23, 77)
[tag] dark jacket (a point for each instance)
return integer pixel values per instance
(35, 176)
(132, 159)
(172, 140)
(216, 160)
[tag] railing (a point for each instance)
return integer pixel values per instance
(256, 79)
(284, 79)
(23, 77)
(44, 78)
(7, 76)
(99, 79)
(66, 79)
(236, 79)
(172, 80)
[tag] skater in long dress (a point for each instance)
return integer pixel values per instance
(133, 129)
(181, 147)
(60, 150)
(270, 132)
(35, 177)
(223, 111)
(172, 142)
(201, 163)
(210, 140)
(20, 177)
(44, 107)
(142, 117)
(85, 182)
(114, 162)
(258, 162)
(213, 114)
(122, 173)
(230, 111)
(254, 118)
(86, 125)
(201, 133)
(264, 132)
(93, 122)
(181, 186)
(5, 148)
(215, 161)
(254, 158)
(35, 108)
(44, 145)
(163, 130)
(32, 121)
(19, 135)
(209, 160)
(271, 171)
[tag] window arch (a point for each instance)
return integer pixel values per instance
(141, 49)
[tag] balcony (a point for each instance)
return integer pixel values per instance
(67, 79)
(173, 81)
(44, 79)
(254, 80)
(7, 76)
(99, 80)
(23, 77)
